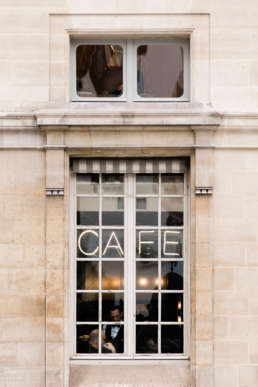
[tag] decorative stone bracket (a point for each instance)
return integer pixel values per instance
(54, 164)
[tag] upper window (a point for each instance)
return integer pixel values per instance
(132, 70)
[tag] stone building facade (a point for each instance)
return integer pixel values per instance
(43, 130)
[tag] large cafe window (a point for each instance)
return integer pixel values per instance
(131, 70)
(130, 258)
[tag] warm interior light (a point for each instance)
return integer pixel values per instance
(179, 318)
(143, 281)
(156, 281)
(179, 305)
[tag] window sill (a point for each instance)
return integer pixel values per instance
(127, 113)
(183, 361)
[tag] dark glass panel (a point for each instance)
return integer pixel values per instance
(87, 339)
(160, 70)
(87, 211)
(114, 338)
(172, 307)
(113, 243)
(172, 275)
(112, 275)
(87, 183)
(147, 184)
(146, 339)
(112, 307)
(88, 243)
(172, 339)
(113, 183)
(171, 243)
(87, 307)
(146, 307)
(113, 212)
(172, 184)
(99, 70)
(172, 211)
(147, 275)
(146, 243)
(87, 275)
(146, 211)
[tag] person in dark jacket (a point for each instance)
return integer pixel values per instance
(115, 333)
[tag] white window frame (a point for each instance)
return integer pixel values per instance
(130, 69)
(129, 278)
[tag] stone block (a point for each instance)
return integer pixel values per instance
(27, 281)
(203, 254)
(204, 376)
(203, 279)
(30, 354)
(229, 253)
(230, 352)
(223, 279)
(55, 354)
(8, 354)
(55, 169)
(54, 329)
(226, 377)
(55, 282)
(55, 305)
(55, 255)
(11, 255)
(34, 255)
(253, 350)
(248, 376)
(204, 352)
(230, 304)
(25, 306)
(221, 327)
(22, 329)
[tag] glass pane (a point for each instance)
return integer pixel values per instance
(146, 307)
(146, 339)
(113, 211)
(114, 338)
(160, 70)
(147, 184)
(146, 275)
(87, 339)
(87, 275)
(99, 70)
(88, 211)
(88, 243)
(146, 243)
(172, 274)
(172, 243)
(113, 184)
(172, 211)
(172, 307)
(87, 307)
(172, 184)
(112, 307)
(113, 243)
(112, 275)
(172, 339)
(87, 183)
(146, 211)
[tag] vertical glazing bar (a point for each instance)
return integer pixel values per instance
(100, 259)
(159, 265)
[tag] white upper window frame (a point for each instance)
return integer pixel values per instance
(130, 69)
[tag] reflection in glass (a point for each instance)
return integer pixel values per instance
(146, 339)
(113, 211)
(113, 275)
(172, 211)
(111, 303)
(147, 184)
(87, 339)
(113, 183)
(146, 307)
(146, 211)
(99, 70)
(146, 243)
(160, 70)
(87, 307)
(114, 335)
(172, 184)
(172, 275)
(172, 307)
(87, 183)
(172, 339)
(88, 243)
(171, 243)
(113, 243)
(87, 211)
(147, 275)
(87, 275)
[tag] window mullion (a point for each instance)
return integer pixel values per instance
(130, 70)
(130, 262)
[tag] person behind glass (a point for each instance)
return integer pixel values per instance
(115, 333)
(94, 343)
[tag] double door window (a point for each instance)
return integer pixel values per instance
(130, 288)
